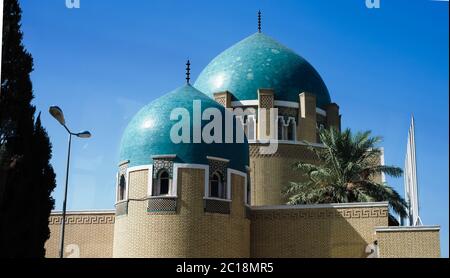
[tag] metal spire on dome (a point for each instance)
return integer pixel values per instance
(259, 21)
(188, 71)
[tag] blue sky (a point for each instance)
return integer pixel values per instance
(101, 63)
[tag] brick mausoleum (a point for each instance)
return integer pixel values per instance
(225, 199)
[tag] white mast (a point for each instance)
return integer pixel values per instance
(410, 179)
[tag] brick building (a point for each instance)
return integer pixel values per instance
(222, 199)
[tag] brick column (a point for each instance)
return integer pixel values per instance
(223, 98)
(306, 125)
(265, 100)
(333, 117)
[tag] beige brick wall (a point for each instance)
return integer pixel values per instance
(190, 232)
(269, 174)
(408, 242)
(303, 231)
(87, 235)
(317, 231)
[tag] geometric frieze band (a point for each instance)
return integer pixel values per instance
(170, 205)
(297, 151)
(320, 213)
(82, 219)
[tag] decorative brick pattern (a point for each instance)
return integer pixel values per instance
(218, 166)
(82, 219)
(189, 231)
(216, 206)
(296, 232)
(223, 98)
(222, 101)
(162, 205)
(315, 232)
(162, 163)
(90, 233)
(320, 213)
(266, 101)
(299, 152)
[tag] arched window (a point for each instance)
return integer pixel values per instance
(216, 186)
(251, 128)
(248, 123)
(291, 130)
(280, 128)
(163, 183)
(121, 188)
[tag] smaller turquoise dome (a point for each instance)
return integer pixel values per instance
(148, 133)
(257, 62)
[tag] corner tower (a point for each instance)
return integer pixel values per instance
(180, 199)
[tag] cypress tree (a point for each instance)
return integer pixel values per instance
(26, 176)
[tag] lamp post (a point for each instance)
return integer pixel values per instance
(57, 113)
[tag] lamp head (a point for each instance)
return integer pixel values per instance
(83, 134)
(58, 114)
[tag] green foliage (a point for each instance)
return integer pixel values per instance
(346, 173)
(26, 176)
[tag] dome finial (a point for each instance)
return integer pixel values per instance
(188, 71)
(259, 21)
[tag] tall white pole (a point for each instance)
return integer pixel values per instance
(416, 216)
(410, 178)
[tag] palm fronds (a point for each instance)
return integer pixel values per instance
(347, 172)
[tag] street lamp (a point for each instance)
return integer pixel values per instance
(57, 113)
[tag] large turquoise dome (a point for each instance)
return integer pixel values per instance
(261, 62)
(148, 133)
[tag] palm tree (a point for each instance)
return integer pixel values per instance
(346, 173)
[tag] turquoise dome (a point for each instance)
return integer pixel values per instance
(148, 133)
(261, 62)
